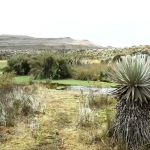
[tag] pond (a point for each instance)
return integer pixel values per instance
(86, 89)
(95, 90)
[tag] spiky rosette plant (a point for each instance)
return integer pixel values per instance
(132, 76)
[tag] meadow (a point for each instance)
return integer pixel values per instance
(21, 79)
(68, 81)
(57, 126)
(35, 116)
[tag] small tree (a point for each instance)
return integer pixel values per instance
(47, 65)
(19, 64)
(42, 66)
(63, 69)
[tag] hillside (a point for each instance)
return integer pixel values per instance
(19, 42)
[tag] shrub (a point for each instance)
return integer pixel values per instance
(92, 72)
(16, 101)
(6, 79)
(47, 65)
(86, 116)
(19, 64)
(63, 68)
(87, 72)
(42, 66)
(97, 100)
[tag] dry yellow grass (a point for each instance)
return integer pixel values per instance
(54, 128)
(3, 63)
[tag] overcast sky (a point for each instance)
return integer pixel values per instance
(104, 22)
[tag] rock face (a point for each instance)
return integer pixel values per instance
(20, 42)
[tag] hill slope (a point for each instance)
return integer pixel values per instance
(26, 42)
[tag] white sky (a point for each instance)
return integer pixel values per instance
(104, 22)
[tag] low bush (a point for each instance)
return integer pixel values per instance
(86, 116)
(96, 120)
(97, 100)
(42, 66)
(47, 65)
(15, 100)
(63, 68)
(92, 72)
(86, 72)
(7, 79)
(19, 64)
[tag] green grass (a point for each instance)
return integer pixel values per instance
(22, 78)
(3, 63)
(68, 82)
(85, 83)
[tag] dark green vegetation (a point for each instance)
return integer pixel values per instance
(48, 65)
(45, 65)
(56, 67)
(133, 101)
(19, 64)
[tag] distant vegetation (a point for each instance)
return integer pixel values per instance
(19, 64)
(91, 72)
(49, 65)
(45, 65)
(55, 119)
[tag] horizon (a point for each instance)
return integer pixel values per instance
(115, 23)
(71, 38)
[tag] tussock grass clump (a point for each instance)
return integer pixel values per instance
(16, 101)
(96, 117)
(91, 107)
(98, 100)
(86, 116)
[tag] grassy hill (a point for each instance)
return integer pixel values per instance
(25, 42)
